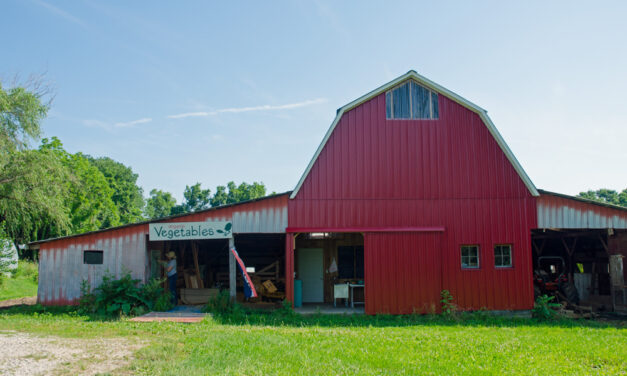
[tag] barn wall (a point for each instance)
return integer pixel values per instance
(564, 213)
(449, 172)
(61, 268)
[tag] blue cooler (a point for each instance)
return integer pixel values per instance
(298, 293)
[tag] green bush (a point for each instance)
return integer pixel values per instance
(449, 309)
(124, 296)
(543, 309)
(27, 269)
(220, 304)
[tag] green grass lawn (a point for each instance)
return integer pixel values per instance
(262, 343)
(22, 284)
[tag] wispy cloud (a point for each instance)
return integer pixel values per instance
(60, 12)
(266, 107)
(110, 126)
(133, 122)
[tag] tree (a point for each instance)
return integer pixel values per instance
(128, 197)
(33, 183)
(89, 196)
(196, 199)
(159, 204)
(607, 196)
(235, 193)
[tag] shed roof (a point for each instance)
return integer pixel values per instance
(412, 75)
(216, 208)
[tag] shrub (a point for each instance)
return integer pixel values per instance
(543, 309)
(115, 297)
(220, 304)
(449, 308)
(286, 309)
(27, 269)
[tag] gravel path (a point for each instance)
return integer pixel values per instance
(27, 354)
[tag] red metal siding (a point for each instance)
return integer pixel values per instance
(449, 172)
(402, 272)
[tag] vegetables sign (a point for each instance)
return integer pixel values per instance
(191, 230)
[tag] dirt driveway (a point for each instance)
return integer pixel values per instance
(27, 354)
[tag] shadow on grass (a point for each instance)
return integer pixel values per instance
(285, 317)
(37, 310)
(282, 317)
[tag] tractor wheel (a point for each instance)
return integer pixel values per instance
(570, 292)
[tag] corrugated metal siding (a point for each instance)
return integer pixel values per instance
(61, 263)
(449, 172)
(408, 264)
(61, 268)
(561, 212)
(263, 216)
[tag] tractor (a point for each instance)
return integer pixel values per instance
(550, 278)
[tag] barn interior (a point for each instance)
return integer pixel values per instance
(579, 268)
(329, 268)
(203, 266)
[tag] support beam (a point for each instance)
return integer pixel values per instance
(604, 244)
(289, 267)
(232, 275)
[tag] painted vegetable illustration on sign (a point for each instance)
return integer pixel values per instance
(227, 229)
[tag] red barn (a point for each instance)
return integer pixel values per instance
(424, 178)
(411, 192)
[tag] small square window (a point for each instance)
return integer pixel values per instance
(470, 256)
(503, 256)
(92, 257)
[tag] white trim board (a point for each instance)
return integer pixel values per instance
(483, 114)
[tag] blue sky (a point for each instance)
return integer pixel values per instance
(209, 92)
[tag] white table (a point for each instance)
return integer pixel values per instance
(352, 288)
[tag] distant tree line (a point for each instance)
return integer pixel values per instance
(46, 191)
(607, 196)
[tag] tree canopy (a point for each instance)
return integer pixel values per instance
(607, 196)
(159, 204)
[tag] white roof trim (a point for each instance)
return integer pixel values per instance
(483, 114)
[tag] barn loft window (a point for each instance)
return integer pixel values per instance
(470, 256)
(411, 101)
(92, 257)
(503, 256)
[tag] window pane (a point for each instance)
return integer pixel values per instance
(401, 101)
(388, 105)
(92, 257)
(420, 102)
(434, 103)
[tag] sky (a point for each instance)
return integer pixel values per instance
(212, 92)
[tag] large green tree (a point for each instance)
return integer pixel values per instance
(607, 196)
(89, 197)
(233, 193)
(127, 195)
(159, 204)
(33, 183)
(195, 198)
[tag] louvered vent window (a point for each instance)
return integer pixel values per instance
(411, 101)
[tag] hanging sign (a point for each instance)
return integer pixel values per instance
(190, 230)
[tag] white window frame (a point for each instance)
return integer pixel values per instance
(511, 256)
(461, 254)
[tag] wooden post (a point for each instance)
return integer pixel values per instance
(232, 275)
(289, 268)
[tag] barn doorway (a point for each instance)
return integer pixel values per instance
(329, 270)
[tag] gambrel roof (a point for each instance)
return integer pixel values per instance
(412, 75)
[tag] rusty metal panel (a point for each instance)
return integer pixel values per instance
(571, 213)
(61, 263)
(449, 172)
(262, 216)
